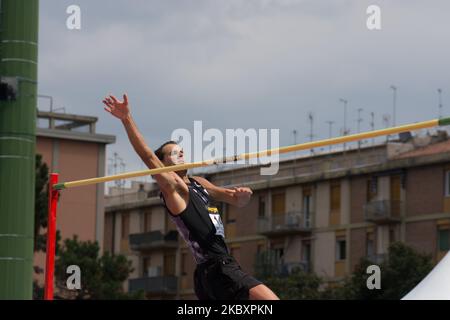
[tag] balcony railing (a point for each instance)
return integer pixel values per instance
(161, 285)
(383, 211)
(153, 240)
(377, 259)
(287, 223)
(269, 264)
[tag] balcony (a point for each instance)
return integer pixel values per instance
(269, 264)
(383, 211)
(153, 240)
(377, 259)
(285, 224)
(161, 285)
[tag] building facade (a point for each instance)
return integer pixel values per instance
(322, 213)
(70, 146)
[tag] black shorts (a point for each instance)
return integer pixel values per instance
(222, 278)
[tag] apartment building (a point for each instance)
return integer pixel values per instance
(322, 212)
(70, 146)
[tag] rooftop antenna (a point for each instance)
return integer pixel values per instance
(330, 131)
(294, 132)
(117, 161)
(372, 125)
(311, 123)
(359, 124)
(440, 102)
(394, 102)
(344, 131)
(345, 102)
(386, 120)
(122, 169)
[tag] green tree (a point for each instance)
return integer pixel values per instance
(101, 276)
(298, 285)
(41, 203)
(41, 218)
(403, 269)
(295, 284)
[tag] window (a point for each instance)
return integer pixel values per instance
(170, 225)
(444, 239)
(335, 203)
(262, 206)
(306, 252)
(372, 189)
(184, 257)
(235, 251)
(221, 206)
(147, 221)
(340, 249)
(260, 248)
(231, 214)
(370, 244)
(307, 203)
(146, 265)
(169, 264)
(279, 254)
(395, 194)
(307, 207)
(335, 196)
(125, 225)
(391, 235)
(278, 204)
(447, 183)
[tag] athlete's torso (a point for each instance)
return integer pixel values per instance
(200, 224)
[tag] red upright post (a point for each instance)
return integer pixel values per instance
(51, 237)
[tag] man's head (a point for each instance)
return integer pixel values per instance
(170, 153)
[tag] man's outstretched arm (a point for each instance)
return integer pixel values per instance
(238, 196)
(121, 110)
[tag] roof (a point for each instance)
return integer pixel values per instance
(436, 148)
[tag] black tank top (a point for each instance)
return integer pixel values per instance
(200, 224)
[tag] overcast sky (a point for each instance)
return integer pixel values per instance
(244, 64)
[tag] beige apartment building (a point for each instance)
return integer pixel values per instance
(322, 212)
(70, 146)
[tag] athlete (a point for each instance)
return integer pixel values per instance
(188, 201)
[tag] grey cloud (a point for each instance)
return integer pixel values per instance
(249, 64)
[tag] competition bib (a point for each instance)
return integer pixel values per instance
(217, 221)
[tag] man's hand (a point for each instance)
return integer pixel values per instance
(119, 109)
(242, 195)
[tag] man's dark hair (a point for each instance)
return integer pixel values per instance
(159, 152)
